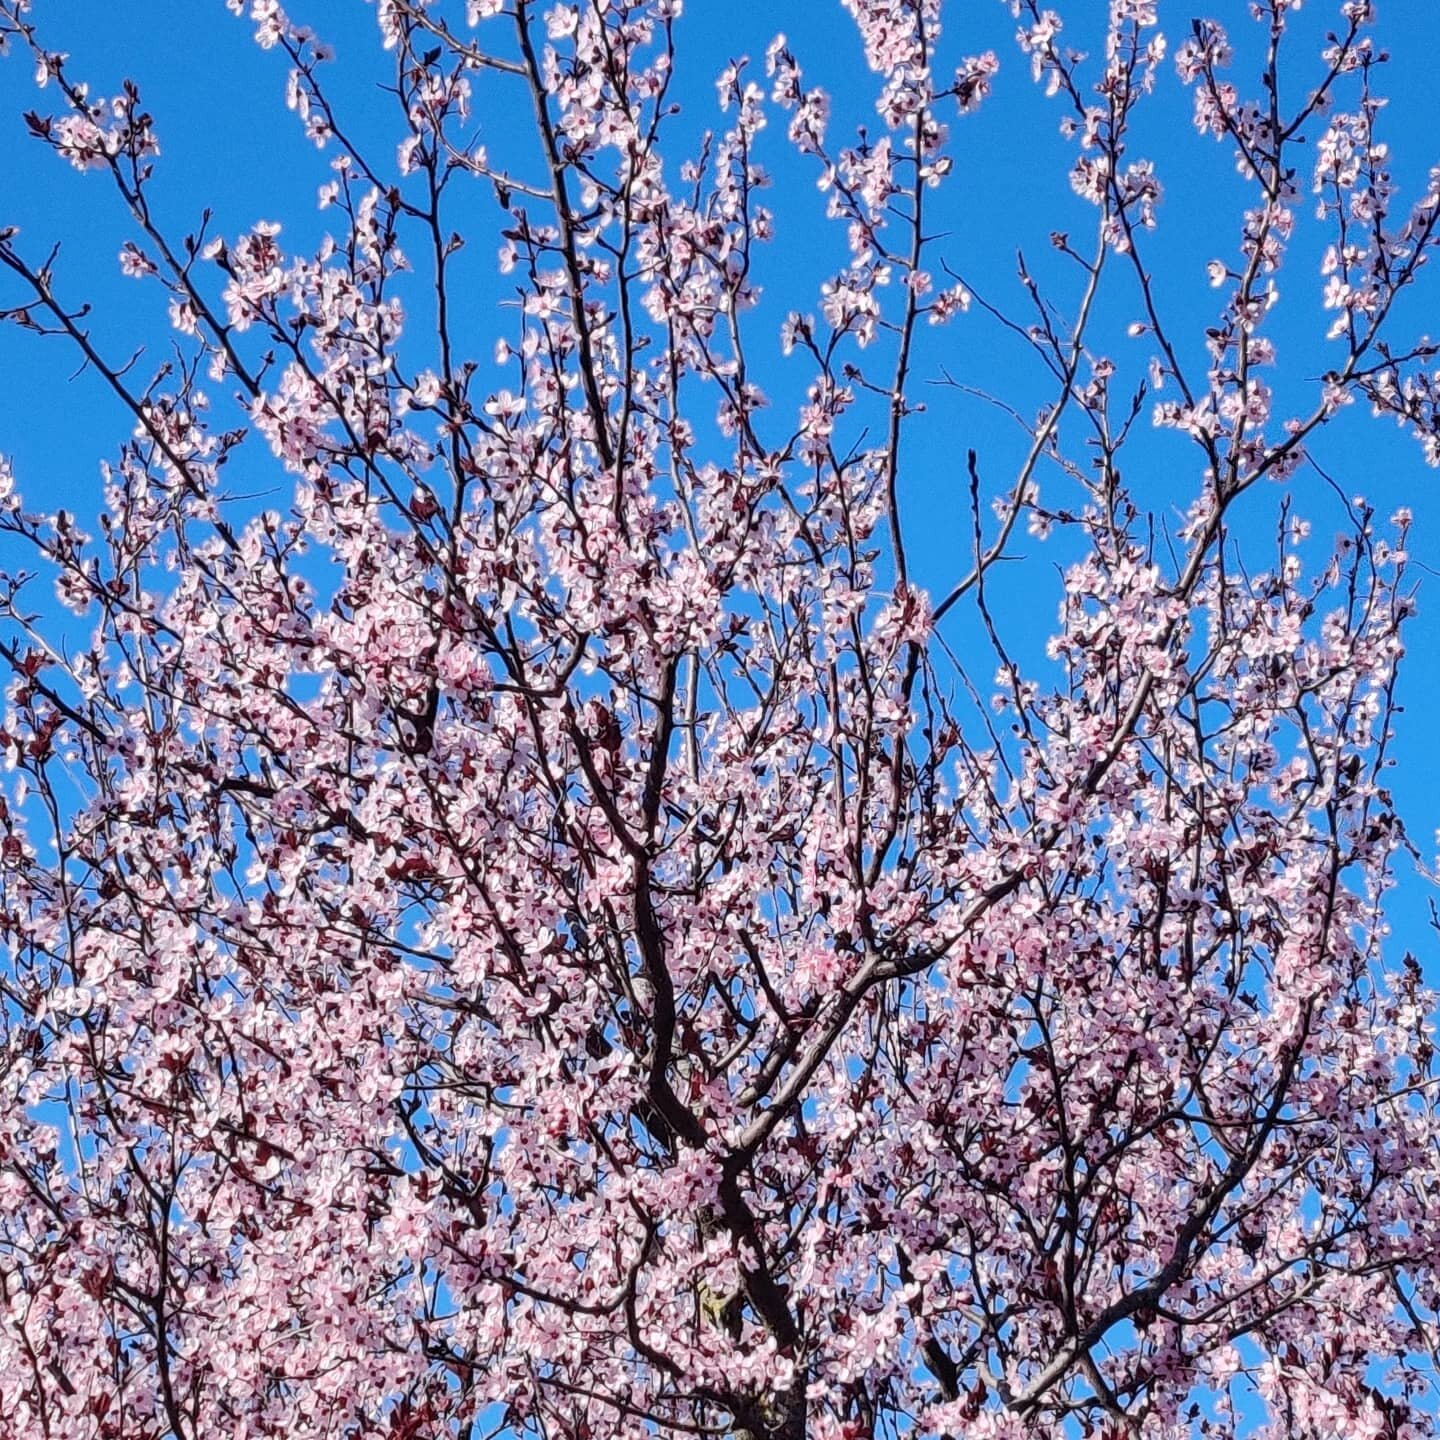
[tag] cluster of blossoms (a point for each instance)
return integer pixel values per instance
(541, 930)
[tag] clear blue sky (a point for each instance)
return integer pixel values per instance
(229, 144)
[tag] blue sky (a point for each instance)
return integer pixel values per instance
(229, 144)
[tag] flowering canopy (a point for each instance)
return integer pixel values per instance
(540, 932)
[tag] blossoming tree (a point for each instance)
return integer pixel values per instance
(542, 933)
